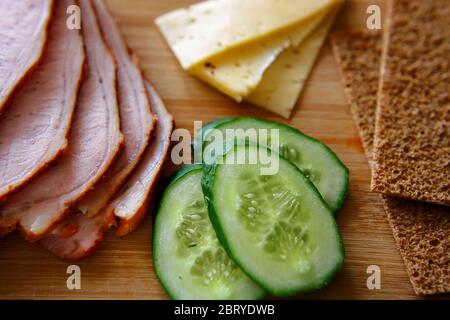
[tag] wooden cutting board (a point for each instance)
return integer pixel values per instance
(122, 267)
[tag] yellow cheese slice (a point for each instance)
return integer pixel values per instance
(238, 71)
(284, 80)
(211, 27)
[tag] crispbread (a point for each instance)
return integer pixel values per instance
(421, 230)
(422, 233)
(358, 58)
(412, 134)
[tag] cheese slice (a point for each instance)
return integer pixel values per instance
(211, 27)
(284, 80)
(238, 71)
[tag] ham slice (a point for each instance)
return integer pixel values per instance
(33, 132)
(136, 119)
(95, 141)
(78, 236)
(132, 202)
(23, 32)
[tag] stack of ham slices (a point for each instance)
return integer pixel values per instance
(83, 136)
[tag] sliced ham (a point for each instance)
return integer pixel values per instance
(136, 119)
(131, 204)
(95, 142)
(77, 236)
(33, 132)
(23, 29)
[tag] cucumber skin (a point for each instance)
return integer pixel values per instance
(210, 125)
(180, 173)
(216, 124)
(208, 180)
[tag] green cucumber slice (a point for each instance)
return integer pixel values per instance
(317, 161)
(213, 124)
(202, 134)
(188, 258)
(276, 227)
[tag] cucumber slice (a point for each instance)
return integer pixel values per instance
(203, 132)
(188, 258)
(317, 161)
(214, 124)
(276, 227)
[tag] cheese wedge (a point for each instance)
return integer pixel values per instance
(284, 80)
(211, 27)
(238, 71)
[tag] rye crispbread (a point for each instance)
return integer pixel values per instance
(358, 58)
(412, 133)
(422, 233)
(421, 230)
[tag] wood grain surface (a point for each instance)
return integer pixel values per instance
(122, 267)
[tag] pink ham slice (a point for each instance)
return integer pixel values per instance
(78, 236)
(23, 32)
(95, 141)
(132, 202)
(33, 132)
(136, 119)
